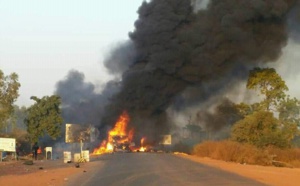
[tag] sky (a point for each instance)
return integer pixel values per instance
(42, 41)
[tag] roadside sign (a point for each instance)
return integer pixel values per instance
(76, 133)
(8, 144)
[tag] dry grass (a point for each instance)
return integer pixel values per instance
(244, 153)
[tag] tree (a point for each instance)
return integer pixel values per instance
(289, 110)
(269, 83)
(245, 109)
(260, 129)
(9, 92)
(289, 116)
(44, 117)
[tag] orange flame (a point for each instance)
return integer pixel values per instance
(142, 148)
(119, 134)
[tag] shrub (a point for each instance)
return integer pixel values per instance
(246, 153)
(233, 152)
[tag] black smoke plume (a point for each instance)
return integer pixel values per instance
(177, 57)
(294, 22)
(80, 102)
(120, 58)
(177, 49)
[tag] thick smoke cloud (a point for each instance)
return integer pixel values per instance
(80, 102)
(120, 58)
(294, 22)
(177, 49)
(179, 56)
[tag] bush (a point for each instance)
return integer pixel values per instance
(245, 153)
(233, 152)
(290, 156)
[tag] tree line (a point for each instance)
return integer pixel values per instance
(273, 121)
(40, 119)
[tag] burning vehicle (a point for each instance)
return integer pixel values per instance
(121, 144)
(120, 139)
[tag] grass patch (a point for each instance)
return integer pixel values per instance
(249, 154)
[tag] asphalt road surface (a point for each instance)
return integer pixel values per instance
(157, 169)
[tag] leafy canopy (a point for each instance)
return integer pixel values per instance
(260, 127)
(269, 83)
(44, 117)
(9, 92)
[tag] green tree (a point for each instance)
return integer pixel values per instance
(9, 92)
(270, 84)
(289, 116)
(44, 117)
(260, 129)
(289, 110)
(245, 109)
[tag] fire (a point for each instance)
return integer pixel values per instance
(117, 136)
(120, 138)
(142, 148)
(109, 147)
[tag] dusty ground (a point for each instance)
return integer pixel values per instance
(46, 173)
(275, 176)
(57, 173)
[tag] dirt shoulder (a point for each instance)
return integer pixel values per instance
(49, 172)
(275, 176)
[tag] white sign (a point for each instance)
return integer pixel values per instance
(48, 149)
(8, 144)
(75, 133)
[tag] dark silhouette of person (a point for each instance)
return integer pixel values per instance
(18, 149)
(35, 148)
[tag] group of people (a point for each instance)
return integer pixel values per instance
(35, 149)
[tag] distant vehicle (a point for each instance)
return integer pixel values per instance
(121, 144)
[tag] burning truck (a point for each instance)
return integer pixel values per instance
(120, 139)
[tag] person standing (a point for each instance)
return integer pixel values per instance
(18, 149)
(35, 148)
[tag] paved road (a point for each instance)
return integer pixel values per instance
(157, 169)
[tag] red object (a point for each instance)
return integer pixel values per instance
(39, 151)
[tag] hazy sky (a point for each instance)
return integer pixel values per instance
(41, 40)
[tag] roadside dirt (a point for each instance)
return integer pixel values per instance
(46, 173)
(275, 176)
(57, 173)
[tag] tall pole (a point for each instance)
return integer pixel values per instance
(81, 144)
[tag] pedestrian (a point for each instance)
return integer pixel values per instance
(18, 149)
(35, 148)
